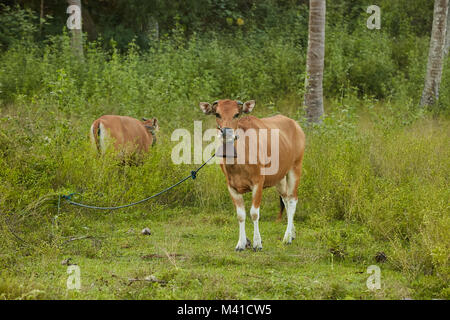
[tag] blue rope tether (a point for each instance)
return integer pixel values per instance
(193, 175)
(69, 196)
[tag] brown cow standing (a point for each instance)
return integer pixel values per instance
(248, 176)
(129, 135)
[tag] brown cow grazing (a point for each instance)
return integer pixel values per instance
(245, 176)
(128, 135)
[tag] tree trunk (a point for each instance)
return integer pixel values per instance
(447, 41)
(41, 16)
(315, 61)
(77, 40)
(430, 92)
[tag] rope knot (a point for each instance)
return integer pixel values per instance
(69, 196)
(193, 175)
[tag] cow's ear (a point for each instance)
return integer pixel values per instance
(248, 106)
(206, 107)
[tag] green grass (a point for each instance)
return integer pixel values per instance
(207, 266)
(375, 174)
(370, 183)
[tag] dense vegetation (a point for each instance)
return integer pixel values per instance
(376, 173)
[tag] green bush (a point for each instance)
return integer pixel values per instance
(16, 25)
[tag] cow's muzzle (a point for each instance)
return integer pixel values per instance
(227, 134)
(226, 150)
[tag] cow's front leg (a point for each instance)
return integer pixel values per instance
(238, 201)
(254, 213)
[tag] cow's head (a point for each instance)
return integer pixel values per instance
(227, 114)
(151, 125)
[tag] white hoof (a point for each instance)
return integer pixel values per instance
(257, 243)
(288, 237)
(241, 245)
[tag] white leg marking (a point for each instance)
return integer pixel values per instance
(290, 230)
(240, 210)
(291, 204)
(257, 244)
(242, 237)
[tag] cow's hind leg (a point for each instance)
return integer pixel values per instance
(238, 201)
(293, 179)
(282, 191)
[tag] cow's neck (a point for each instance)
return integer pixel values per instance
(248, 122)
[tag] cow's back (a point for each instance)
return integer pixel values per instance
(128, 134)
(292, 137)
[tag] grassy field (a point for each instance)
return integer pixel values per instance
(375, 180)
(191, 250)
(375, 174)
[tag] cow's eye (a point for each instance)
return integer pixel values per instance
(236, 116)
(218, 115)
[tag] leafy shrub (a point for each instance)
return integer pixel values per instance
(16, 25)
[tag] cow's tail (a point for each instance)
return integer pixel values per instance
(280, 215)
(95, 135)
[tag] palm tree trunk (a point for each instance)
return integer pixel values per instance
(315, 61)
(77, 40)
(447, 41)
(430, 92)
(41, 16)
